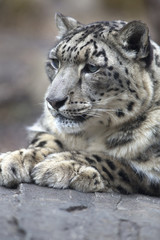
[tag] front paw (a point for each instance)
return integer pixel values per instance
(58, 173)
(12, 171)
(52, 173)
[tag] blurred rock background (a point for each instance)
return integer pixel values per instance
(27, 32)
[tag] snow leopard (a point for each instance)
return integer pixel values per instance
(100, 127)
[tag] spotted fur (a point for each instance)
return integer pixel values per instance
(100, 129)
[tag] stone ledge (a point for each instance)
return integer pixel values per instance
(38, 213)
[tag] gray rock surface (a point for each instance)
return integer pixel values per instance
(38, 213)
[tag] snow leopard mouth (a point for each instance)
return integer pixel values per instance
(75, 119)
(71, 125)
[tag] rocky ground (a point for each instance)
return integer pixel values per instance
(38, 213)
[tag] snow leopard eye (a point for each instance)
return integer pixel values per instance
(55, 63)
(89, 68)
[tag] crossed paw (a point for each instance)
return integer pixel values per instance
(57, 171)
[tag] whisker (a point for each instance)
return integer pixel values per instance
(104, 110)
(99, 112)
(94, 114)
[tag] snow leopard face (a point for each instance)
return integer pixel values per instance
(97, 73)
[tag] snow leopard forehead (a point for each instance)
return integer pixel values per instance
(131, 39)
(96, 29)
(81, 41)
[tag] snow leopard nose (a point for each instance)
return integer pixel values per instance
(56, 103)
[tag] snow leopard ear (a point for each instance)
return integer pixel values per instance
(65, 24)
(134, 39)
